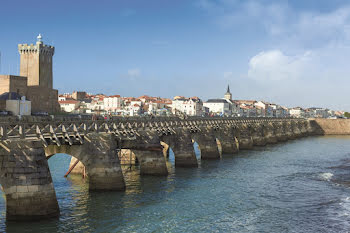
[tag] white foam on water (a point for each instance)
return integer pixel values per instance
(326, 176)
(345, 203)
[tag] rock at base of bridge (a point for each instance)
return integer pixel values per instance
(26, 181)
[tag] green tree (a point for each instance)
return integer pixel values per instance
(347, 114)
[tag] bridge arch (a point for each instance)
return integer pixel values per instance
(99, 157)
(207, 143)
(226, 140)
(182, 148)
(244, 136)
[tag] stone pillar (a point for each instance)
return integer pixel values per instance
(288, 130)
(270, 134)
(228, 142)
(26, 181)
(296, 130)
(245, 139)
(152, 161)
(182, 146)
(303, 130)
(258, 135)
(207, 144)
(280, 133)
(99, 155)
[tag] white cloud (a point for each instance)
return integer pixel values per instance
(303, 51)
(275, 65)
(280, 20)
(134, 73)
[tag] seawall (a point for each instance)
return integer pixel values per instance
(331, 126)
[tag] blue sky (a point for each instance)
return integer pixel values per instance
(294, 53)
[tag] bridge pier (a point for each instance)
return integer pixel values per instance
(289, 131)
(258, 135)
(280, 133)
(295, 129)
(207, 145)
(182, 147)
(26, 181)
(302, 128)
(228, 143)
(152, 161)
(245, 139)
(270, 134)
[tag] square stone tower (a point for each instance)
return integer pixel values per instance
(36, 63)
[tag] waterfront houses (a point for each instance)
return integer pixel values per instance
(80, 102)
(192, 106)
(219, 107)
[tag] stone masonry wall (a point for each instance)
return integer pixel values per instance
(26, 181)
(331, 126)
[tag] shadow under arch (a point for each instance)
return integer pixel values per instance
(169, 156)
(61, 163)
(197, 149)
(76, 160)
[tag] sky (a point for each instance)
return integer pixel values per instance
(293, 53)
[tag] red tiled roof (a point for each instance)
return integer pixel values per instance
(68, 102)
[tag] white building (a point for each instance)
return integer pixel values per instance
(297, 112)
(16, 104)
(135, 110)
(62, 98)
(188, 106)
(97, 105)
(112, 103)
(69, 105)
(218, 106)
(225, 106)
(20, 107)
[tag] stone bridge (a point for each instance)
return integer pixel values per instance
(25, 147)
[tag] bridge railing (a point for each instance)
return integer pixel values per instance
(122, 127)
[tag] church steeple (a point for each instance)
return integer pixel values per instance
(228, 94)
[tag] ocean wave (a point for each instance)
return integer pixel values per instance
(326, 176)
